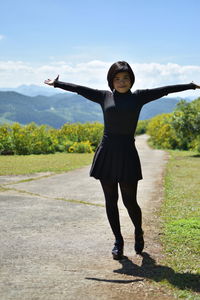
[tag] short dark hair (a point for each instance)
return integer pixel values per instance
(119, 66)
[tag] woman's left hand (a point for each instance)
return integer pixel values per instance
(51, 81)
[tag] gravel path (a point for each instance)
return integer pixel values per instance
(56, 242)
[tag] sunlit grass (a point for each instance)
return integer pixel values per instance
(28, 164)
(180, 212)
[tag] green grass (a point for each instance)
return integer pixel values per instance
(29, 164)
(181, 215)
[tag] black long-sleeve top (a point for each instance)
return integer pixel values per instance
(121, 110)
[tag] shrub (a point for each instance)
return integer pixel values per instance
(141, 127)
(178, 130)
(80, 147)
(78, 132)
(68, 145)
(34, 139)
(195, 144)
(6, 143)
(161, 132)
(186, 122)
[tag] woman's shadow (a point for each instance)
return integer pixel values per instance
(149, 269)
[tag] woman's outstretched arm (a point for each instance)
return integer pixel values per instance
(91, 94)
(153, 94)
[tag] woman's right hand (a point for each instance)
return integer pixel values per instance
(51, 81)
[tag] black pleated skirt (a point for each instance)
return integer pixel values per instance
(116, 159)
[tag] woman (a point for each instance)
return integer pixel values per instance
(116, 160)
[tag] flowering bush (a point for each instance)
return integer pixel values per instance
(142, 127)
(80, 147)
(78, 132)
(6, 143)
(161, 132)
(34, 139)
(178, 130)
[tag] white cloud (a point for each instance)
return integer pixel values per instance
(93, 73)
(153, 75)
(1, 37)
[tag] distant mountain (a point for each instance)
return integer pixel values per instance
(33, 90)
(53, 110)
(64, 107)
(163, 105)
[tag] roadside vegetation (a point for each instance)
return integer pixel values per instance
(16, 139)
(180, 131)
(43, 139)
(177, 130)
(181, 223)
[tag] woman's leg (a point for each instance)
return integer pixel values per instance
(110, 190)
(111, 197)
(129, 197)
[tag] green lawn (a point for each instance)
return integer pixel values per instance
(181, 215)
(58, 162)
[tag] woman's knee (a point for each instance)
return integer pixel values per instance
(110, 190)
(129, 194)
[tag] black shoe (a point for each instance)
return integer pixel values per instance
(139, 242)
(118, 250)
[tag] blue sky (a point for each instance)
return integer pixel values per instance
(80, 39)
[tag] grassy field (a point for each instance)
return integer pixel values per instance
(181, 227)
(28, 164)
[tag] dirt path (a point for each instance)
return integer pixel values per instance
(56, 249)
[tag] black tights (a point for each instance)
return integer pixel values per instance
(129, 197)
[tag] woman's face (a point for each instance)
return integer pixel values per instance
(122, 82)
